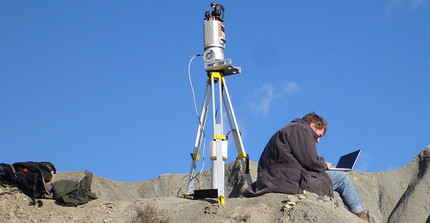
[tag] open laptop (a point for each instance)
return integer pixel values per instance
(347, 162)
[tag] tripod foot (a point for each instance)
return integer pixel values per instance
(221, 200)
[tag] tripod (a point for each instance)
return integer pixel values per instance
(219, 143)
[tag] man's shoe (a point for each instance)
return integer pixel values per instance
(364, 215)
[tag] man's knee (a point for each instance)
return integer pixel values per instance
(339, 179)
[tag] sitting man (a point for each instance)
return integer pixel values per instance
(290, 164)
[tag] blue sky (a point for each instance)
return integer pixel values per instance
(103, 85)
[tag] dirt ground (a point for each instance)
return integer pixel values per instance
(401, 195)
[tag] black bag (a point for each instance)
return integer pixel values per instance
(32, 176)
(7, 174)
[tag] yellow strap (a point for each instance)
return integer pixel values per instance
(241, 156)
(221, 200)
(195, 156)
(216, 75)
(219, 137)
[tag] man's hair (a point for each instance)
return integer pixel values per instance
(318, 121)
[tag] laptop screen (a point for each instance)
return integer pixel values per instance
(348, 160)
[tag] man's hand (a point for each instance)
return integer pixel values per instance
(328, 164)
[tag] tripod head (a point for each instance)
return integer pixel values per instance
(214, 42)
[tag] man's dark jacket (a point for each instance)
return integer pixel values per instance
(290, 164)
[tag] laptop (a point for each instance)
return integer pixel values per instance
(346, 162)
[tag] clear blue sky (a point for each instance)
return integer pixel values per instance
(103, 85)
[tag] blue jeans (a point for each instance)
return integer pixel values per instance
(343, 185)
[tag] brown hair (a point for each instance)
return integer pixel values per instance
(318, 121)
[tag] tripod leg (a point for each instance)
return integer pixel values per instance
(236, 134)
(199, 138)
(218, 168)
